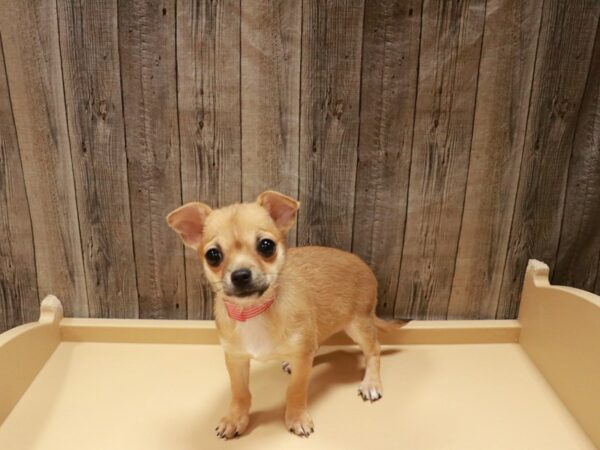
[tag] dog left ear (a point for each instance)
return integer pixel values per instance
(188, 221)
(281, 208)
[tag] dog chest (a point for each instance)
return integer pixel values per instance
(255, 338)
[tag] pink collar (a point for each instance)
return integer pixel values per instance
(241, 315)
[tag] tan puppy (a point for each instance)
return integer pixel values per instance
(273, 302)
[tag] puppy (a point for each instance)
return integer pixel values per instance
(274, 302)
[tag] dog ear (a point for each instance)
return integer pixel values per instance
(188, 221)
(281, 208)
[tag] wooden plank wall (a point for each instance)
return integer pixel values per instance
(562, 67)
(444, 142)
(92, 86)
(503, 92)
(33, 67)
(451, 35)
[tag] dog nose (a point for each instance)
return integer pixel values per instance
(241, 277)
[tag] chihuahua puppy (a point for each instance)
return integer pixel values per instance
(274, 302)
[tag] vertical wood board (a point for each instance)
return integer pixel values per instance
(578, 257)
(329, 120)
(270, 77)
(90, 61)
(391, 40)
(148, 69)
(18, 284)
(208, 61)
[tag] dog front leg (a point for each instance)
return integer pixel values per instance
(236, 421)
(297, 418)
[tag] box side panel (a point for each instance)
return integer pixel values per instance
(23, 352)
(561, 334)
(205, 332)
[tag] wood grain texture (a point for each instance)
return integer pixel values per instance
(444, 142)
(32, 57)
(330, 93)
(270, 76)
(502, 104)
(208, 55)
(578, 257)
(94, 111)
(564, 51)
(391, 39)
(449, 60)
(148, 67)
(18, 284)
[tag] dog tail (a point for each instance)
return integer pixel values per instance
(389, 325)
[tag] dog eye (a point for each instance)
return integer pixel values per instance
(266, 247)
(213, 257)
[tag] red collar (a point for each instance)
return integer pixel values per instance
(241, 315)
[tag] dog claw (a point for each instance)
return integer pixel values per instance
(232, 427)
(301, 426)
(371, 394)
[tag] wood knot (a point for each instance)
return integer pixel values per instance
(103, 109)
(339, 109)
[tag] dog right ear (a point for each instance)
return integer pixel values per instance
(281, 208)
(188, 222)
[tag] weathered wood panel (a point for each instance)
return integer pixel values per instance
(505, 78)
(578, 258)
(270, 76)
(90, 61)
(564, 51)
(18, 284)
(330, 93)
(444, 142)
(33, 65)
(448, 69)
(208, 55)
(388, 93)
(148, 67)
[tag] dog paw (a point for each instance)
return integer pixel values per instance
(286, 367)
(231, 426)
(300, 424)
(370, 391)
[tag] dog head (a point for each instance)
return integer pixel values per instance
(242, 246)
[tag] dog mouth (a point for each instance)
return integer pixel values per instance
(246, 292)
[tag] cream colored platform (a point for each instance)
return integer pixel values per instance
(163, 385)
